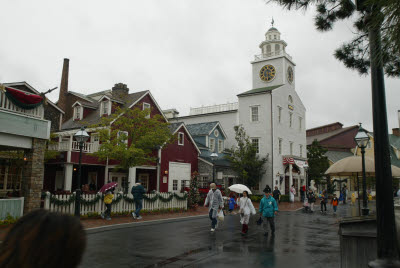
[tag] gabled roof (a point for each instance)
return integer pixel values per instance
(82, 96)
(203, 129)
(394, 141)
(222, 162)
(86, 104)
(23, 83)
(328, 135)
(260, 90)
(174, 127)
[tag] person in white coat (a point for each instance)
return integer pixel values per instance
(292, 193)
(246, 208)
(215, 202)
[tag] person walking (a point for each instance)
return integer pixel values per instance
(138, 191)
(344, 193)
(246, 208)
(215, 202)
(276, 194)
(311, 199)
(268, 209)
(108, 198)
(335, 203)
(292, 193)
(302, 193)
(324, 200)
(232, 203)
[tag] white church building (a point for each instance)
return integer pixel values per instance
(271, 113)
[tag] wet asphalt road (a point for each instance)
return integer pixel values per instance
(301, 240)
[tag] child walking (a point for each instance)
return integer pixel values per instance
(108, 201)
(232, 204)
(268, 210)
(335, 203)
(246, 208)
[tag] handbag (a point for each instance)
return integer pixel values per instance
(220, 216)
(259, 221)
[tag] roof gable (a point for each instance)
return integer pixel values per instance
(202, 129)
(175, 127)
(260, 90)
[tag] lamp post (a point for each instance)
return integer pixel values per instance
(214, 156)
(81, 136)
(362, 140)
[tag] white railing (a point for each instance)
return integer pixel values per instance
(214, 108)
(7, 105)
(88, 147)
(121, 206)
(11, 206)
(271, 54)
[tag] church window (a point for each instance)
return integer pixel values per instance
(290, 119)
(280, 146)
(254, 113)
(256, 144)
(279, 114)
(291, 147)
(300, 123)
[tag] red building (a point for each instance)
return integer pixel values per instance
(171, 172)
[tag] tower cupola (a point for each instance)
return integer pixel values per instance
(272, 45)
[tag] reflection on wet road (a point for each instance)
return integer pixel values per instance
(301, 240)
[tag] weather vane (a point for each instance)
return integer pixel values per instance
(272, 22)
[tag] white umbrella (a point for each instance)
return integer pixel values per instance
(239, 188)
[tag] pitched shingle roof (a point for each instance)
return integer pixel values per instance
(201, 129)
(259, 90)
(325, 136)
(94, 117)
(335, 156)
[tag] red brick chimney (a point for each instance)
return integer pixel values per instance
(62, 98)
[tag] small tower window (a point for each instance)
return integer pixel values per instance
(277, 49)
(274, 36)
(268, 49)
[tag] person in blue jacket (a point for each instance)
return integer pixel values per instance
(268, 210)
(232, 204)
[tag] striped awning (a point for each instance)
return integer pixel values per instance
(288, 160)
(291, 160)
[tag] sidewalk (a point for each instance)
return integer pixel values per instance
(98, 222)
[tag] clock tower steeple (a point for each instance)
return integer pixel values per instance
(273, 66)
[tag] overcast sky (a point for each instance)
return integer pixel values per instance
(187, 53)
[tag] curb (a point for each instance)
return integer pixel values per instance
(112, 227)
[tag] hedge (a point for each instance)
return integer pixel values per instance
(256, 198)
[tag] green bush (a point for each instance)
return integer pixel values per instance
(285, 198)
(256, 198)
(8, 220)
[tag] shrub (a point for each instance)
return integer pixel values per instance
(256, 198)
(8, 220)
(285, 198)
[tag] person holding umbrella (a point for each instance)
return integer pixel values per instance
(108, 191)
(246, 208)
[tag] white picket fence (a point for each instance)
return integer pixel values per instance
(121, 206)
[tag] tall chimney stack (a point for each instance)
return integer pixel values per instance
(62, 98)
(398, 116)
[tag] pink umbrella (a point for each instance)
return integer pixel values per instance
(108, 186)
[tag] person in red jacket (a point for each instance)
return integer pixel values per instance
(335, 203)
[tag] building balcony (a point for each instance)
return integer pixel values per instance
(214, 108)
(273, 54)
(65, 146)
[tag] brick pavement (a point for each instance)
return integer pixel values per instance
(97, 222)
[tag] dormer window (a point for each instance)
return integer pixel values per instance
(181, 138)
(105, 107)
(78, 112)
(146, 106)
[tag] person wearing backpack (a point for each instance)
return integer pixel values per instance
(138, 191)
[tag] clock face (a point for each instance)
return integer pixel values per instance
(290, 74)
(267, 73)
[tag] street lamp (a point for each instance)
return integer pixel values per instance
(214, 156)
(81, 136)
(362, 140)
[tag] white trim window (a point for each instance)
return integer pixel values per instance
(104, 107)
(301, 150)
(216, 133)
(280, 146)
(220, 146)
(291, 148)
(212, 144)
(279, 114)
(290, 119)
(181, 138)
(78, 112)
(147, 106)
(175, 185)
(254, 113)
(300, 123)
(256, 143)
(125, 133)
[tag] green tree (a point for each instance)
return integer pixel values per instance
(194, 195)
(244, 159)
(130, 136)
(318, 163)
(355, 53)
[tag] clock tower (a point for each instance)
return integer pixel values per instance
(273, 67)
